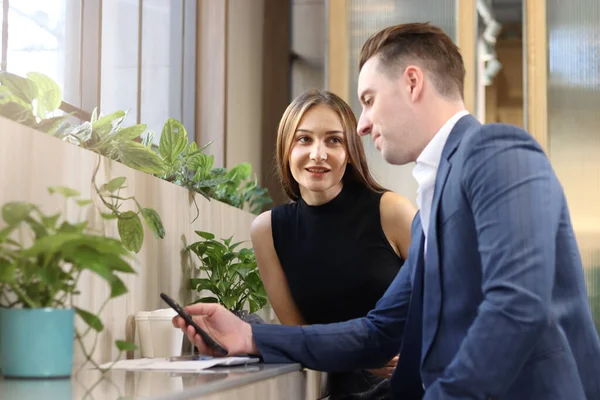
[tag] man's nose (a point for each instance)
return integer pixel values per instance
(364, 125)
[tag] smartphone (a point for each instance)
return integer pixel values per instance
(188, 320)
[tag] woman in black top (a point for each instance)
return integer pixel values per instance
(330, 254)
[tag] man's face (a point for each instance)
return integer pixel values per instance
(387, 111)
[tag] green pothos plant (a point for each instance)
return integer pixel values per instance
(187, 165)
(129, 223)
(106, 136)
(232, 277)
(46, 272)
(34, 100)
(31, 101)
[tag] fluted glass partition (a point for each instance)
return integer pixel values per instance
(367, 17)
(574, 122)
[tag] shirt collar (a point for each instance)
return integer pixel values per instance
(429, 159)
(432, 153)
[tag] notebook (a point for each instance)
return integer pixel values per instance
(179, 364)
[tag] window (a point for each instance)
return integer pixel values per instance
(132, 55)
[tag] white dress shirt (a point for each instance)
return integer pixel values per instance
(425, 170)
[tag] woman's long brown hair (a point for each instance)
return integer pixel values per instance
(357, 169)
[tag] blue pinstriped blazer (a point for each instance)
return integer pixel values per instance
(505, 309)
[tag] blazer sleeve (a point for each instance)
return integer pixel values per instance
(367, 342)
(516, 201)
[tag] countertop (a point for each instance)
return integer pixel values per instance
(91, 384)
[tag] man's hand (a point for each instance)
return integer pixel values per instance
(223, 326)
(386, 372)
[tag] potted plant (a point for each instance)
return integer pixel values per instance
(35, 100)
(232, 278)
(42, 257)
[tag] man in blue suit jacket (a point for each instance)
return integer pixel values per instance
(491, 303)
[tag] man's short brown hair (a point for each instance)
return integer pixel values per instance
(424, 44)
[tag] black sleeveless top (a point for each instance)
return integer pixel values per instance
(336, 258)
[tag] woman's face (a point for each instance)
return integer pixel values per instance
(318, 157)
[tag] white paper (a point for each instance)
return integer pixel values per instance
(163, 364)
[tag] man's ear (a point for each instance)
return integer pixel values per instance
(413, 78)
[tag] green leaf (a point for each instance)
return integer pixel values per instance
(116, 263)
(7, 231)
(124, 345)
(148, 139)
(51, 276)
(7, 271)
(131, 231)
(154, 222)
(50, 244)
(90, 319)
(140, 157)
(17, 112)
(24, 88)
(82, 132)
(130, 133)
(233, 246)
(241, 171)
(16, 212)
(50, 125)
(106, 123)
(114, 184)
(99, 254)
(197, 162)
(211, 183)
(94, 116)
(108, 216)
(83, 202)
(173, 140)
(206, 300)
(73, 228)
(254, 306)
(6, 96)
(50, 221)
(191, 149)
(199, 284)
(117, 287)
(49, 95)
(227, 257)
(205, 235)
(86, 257)
(65, 191)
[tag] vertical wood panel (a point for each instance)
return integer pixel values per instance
(536, 49)
(276, 87)
(139, 61)
(467, 42)
(338, 48)
(90, 54)
(244, 76)
(211, 83)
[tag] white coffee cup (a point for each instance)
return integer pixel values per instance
(167, 340)
(144, 334)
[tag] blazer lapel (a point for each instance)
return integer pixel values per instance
(432, 292)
